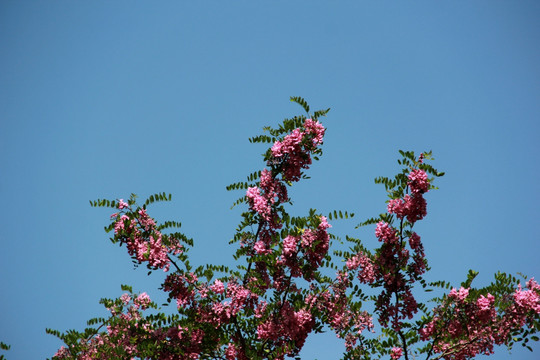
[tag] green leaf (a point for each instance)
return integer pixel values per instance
(470, 277)
(300, 101)
(320, 113)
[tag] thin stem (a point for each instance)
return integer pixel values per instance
(249, 264)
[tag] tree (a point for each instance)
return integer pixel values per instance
(289, 284)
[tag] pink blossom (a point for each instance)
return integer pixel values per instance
(143, 300)
(412, 207)
(289, 245)
(397, 206)
(231, 352)
(146, 221)
(125, 298)
(315, 128)
(273, 189)
(386, 233)
(414, 241)
(288, 325)
(179, 288)
(353, 263)
(528, 299)
(62, 353)
(367, 273)
(289, 145)
(259, 203)
(418, 181)
(427, 331)
(533, 285)
(122, 205)
(323, 225)
(120, 224)
(415, 207)
(297, 150)
(218, 287)
(485, 303)
(315, 243)
(459, 295)
(397, 352)
(260, 248)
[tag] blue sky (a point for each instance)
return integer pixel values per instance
(101, 99)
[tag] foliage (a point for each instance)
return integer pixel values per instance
(3, 347)
(288, 283)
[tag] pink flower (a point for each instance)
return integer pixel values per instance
(143, 300)
(146, 221)
(414, 241)
(396, 353)
(527, 299)
(261, 249)
(297, 146)
(353, 263)
(324, 224)
(125, 298)
(62, 353)
(415, 207)
(386, 233)
(258, 202)
(315, 128)
(428, 330)
(315, 243)
(272, 187)
(218, 287)
(485, 303)
(119, 225)
(231, 352)
(418, 181)
(397, 206)
(289, 245)
(459, 295)
(367, 274)
(121, 204)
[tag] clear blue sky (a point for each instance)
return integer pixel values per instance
(101, 99)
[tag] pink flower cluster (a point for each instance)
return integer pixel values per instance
(315, 243)
(526, 300)
(394, 266)
(334, 304)
(412, 206)
(367, 274)
(464, 327)
(295, 151)
(396, 353)
(459, 295)
(297, 147)
(126, 330)
(390, 262)
(261, 199)
(181, 288)
(142, 301)
(418, 181)
(301, 254)
(285, 327)
(143, 240)
(304, 254)
(240, 299)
